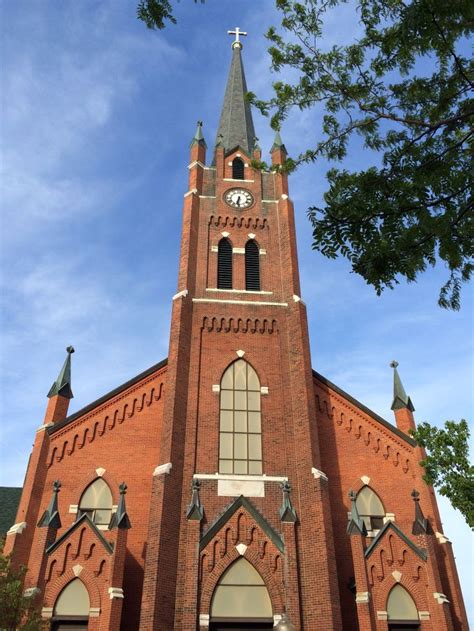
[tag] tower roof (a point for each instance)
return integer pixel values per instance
(400, 397)
(62, 385)
(236, 124)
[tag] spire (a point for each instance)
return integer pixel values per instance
(421, 526)
(198, 138)
(277, 143)
(120, 518)
(356, 524)
(62, 385)
(195, 510)
(50, 518)
(287, 512)
(400, 397)
(236, 125)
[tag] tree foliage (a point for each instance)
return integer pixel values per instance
(155, 13)
(405, 88)
(17, 611)
(447, 466)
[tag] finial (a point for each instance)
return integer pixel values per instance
(356, 525)
(237, 43)
(62, 385)
(400, 398)
(198, 136)
(287, 512)
(195, 510)
(421, 526)
(50, 517)
(120, 518)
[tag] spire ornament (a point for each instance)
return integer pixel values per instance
(50, 517)
(195, 510)
(421, 526)
(198, 138)
(356, 525)
(120, 519)
(237, 43)
(400, 398)
(62, 385)
(287, 512)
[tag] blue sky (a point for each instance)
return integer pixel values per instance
(97, 115)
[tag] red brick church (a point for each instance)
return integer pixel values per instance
(230, 486)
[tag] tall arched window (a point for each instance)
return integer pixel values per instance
(370, 509)
(237, 169)
(240, 436)
(224, 264)
(96, 501)
(242, 594)
(72, 607)
(401, 610)
(252, 266)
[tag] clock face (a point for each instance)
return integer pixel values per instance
(238, 198)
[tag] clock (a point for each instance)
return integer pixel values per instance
(238, 198)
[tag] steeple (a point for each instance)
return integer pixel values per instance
(236, 124)
(402, 405)
(62, 385)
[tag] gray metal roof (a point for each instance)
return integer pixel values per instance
(236, 125)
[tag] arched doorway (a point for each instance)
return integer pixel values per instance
(71, 611)
(241, 600)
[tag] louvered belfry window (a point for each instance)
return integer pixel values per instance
(224, 264)
(252, 266)
(237, 169)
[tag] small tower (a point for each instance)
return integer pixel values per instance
(401, 404)
(60, 392)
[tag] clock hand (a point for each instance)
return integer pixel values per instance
(238, 200)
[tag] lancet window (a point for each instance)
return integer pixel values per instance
(252, 266)
(240, 435)
(401, 610)
(237, 169)
(96, 501)
(370, 508)
(72, 607)
(224, 264)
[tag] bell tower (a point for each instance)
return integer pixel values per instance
(239, 475)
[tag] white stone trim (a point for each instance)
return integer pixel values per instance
(284, 196)
(100, 471)
(181, 294)
(241, 549)
(225, 234)
(115, 592)
(440, 598)
(236, 488)
(251, 235)
(41, 428)
(296, 298)
(270, 201)
(73, 509)
(162, 468)
(196, 163)
(204, 619)
(17, 529)
(207, 197)
(193, 191)
(262, 251)
(389, 517)
(241, 291)
(276, 619)
(214, 248)
(47, 612)
(424, 615)
(238, 250)
(216, 388)
(264, 390)
(318, 474)
(240, 353)
(31, 592)
(365, 479)
(382, 615)
(259, 303)
(94, 612)
(397, 575)
(362, 597)
(77, 569)
(442, 538)
(236, 477)
(229, 179)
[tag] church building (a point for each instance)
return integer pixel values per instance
(230, 485)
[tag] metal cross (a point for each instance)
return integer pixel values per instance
(237, 34)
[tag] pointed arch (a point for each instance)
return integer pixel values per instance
(73, 600)
(224, 264)
(240, 426)
(370, 508)
(252, 266)
(237, 169)
(241, 593)
(401, 607)
(96, 501)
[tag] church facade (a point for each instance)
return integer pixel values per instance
(231, 486)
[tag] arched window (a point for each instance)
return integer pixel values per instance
(401, 610)
(71, 610)
(252, 266)
(96, 501)
(240, 437)
(237, 169)
(241, 594)
(224, 264)
(370, 508)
